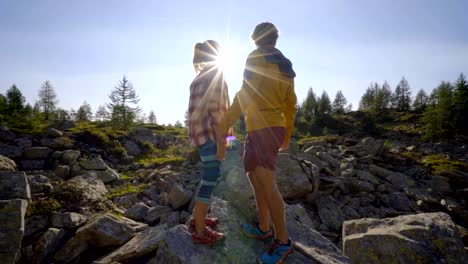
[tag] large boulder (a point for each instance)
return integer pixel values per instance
(6, 135)
(419, 238)
(68, 220)
(174, 245)
(11, 228)
(71, 251)
(105, 231)
(292, 181)
(87, 188)
(39, 184)
(7, 164)
(14, 185)
(369, 146)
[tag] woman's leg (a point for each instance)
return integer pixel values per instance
(199, 213)
(263, 212)
(267, 183)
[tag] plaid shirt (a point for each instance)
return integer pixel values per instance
(209, 100)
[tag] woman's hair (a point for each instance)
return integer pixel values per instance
(265, 34)
(205, 54)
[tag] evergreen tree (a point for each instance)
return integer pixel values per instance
(186, 118)
(15, 102)
(402, 96)
(339, 103)
(178, 124)
(3, 106)
(433, 99)
(460, 101)
(420, 101)
(47, 99)
(437, 121)
(123, 97)
(309, 106)
(324, 104)
(386, 95)
(349, 108)
(368, 99)
(102, 114)
(84, 113)
(62, 114)
(152, 117)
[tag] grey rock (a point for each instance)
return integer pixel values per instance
(132, 148)
(178, 197)
(68, 220)
(355, 186)
(108, 175)
(350, 213)
(31, 165)
(154, 214)
(137, 212)
(173, 219)
(39, 184)
(438, 185)
(37, 153)
(71, 251)
(315, 160)
(14, 185)
(94, 164)
(420, 238)
(174, 245)
(54, 132)
(398, 179)
(11, 227)
(11, 151)
(62, 171)
(47, 245)
(105, 231)
(366, 176)
(64, 124)
(399, 201)
(330, 212)
(329, 159)
(36, 224)
(7, 164)
(70, 157)
(24, 142)
(369, 146)
(292, 181)
(87, 186)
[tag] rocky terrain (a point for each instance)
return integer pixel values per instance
(81, 196)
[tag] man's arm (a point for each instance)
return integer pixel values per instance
(289, 112)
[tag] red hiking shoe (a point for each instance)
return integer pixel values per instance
(208, 237)
(210, 222)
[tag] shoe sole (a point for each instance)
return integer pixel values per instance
(285, 255)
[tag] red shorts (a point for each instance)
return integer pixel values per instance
(261, 148)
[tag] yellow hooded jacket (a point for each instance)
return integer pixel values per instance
(267, 97)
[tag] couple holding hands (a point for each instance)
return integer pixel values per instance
(268, 103)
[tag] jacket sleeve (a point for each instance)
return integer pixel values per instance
(289, 110)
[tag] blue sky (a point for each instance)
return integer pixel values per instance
(85, 47)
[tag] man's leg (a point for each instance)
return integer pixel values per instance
(263, 212)
(267, 182)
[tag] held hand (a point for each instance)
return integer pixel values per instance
(221, 150)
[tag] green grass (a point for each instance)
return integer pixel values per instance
(127, 189)
(43, 207)
(437, 163)
(148, 161)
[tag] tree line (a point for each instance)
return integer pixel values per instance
(121, 111)
(444, 111)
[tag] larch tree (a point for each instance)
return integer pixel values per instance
(47, 99)
(124, 105)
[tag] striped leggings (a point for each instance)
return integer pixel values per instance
(211, 170)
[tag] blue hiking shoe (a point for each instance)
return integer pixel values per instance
(277, 253)
(255, 232)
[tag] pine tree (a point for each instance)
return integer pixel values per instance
(386, 95)
(122, 98)
(349, 108)
(309, 106)
(102, 114)
(339, 103)
(420, 101)
(47, 99)
(62, 114)
(367, 100)
(460, 101)
(84, 113)
(152, 117)
(402, 96)
(15, 102)
(178, 124)
(3, 106)
(324, 104)
(437, 121)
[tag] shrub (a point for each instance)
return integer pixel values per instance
(43, 207)
(437, 163)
